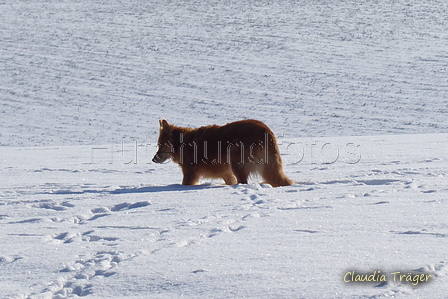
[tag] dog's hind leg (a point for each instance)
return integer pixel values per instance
(237, 165)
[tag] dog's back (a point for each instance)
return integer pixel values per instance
(232, 152)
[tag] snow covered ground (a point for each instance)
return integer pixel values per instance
(74, 224)
(356, 92)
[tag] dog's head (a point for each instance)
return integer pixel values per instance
(165, 143)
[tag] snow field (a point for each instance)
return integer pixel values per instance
(355, 91)
(130, 230)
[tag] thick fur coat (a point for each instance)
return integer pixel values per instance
(232, 152)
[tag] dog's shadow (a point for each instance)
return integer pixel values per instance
(167, 188)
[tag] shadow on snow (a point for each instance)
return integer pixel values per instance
(168, 188)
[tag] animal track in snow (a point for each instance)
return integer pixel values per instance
(4, 260)
(440, 269)
(251, 194)
(378, 182)
(121, 207)
(81, 272)
(67, 238)
(55, 206)
(128, 206)
(203, 228)
(98, 216)
(421, 232)
(226, 228)
(105, 211)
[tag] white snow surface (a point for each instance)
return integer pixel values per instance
(356, 91)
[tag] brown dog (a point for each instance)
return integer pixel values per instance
(232, 152)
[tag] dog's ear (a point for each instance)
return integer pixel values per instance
(165, 126)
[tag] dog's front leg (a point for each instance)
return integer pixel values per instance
(191, 177)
